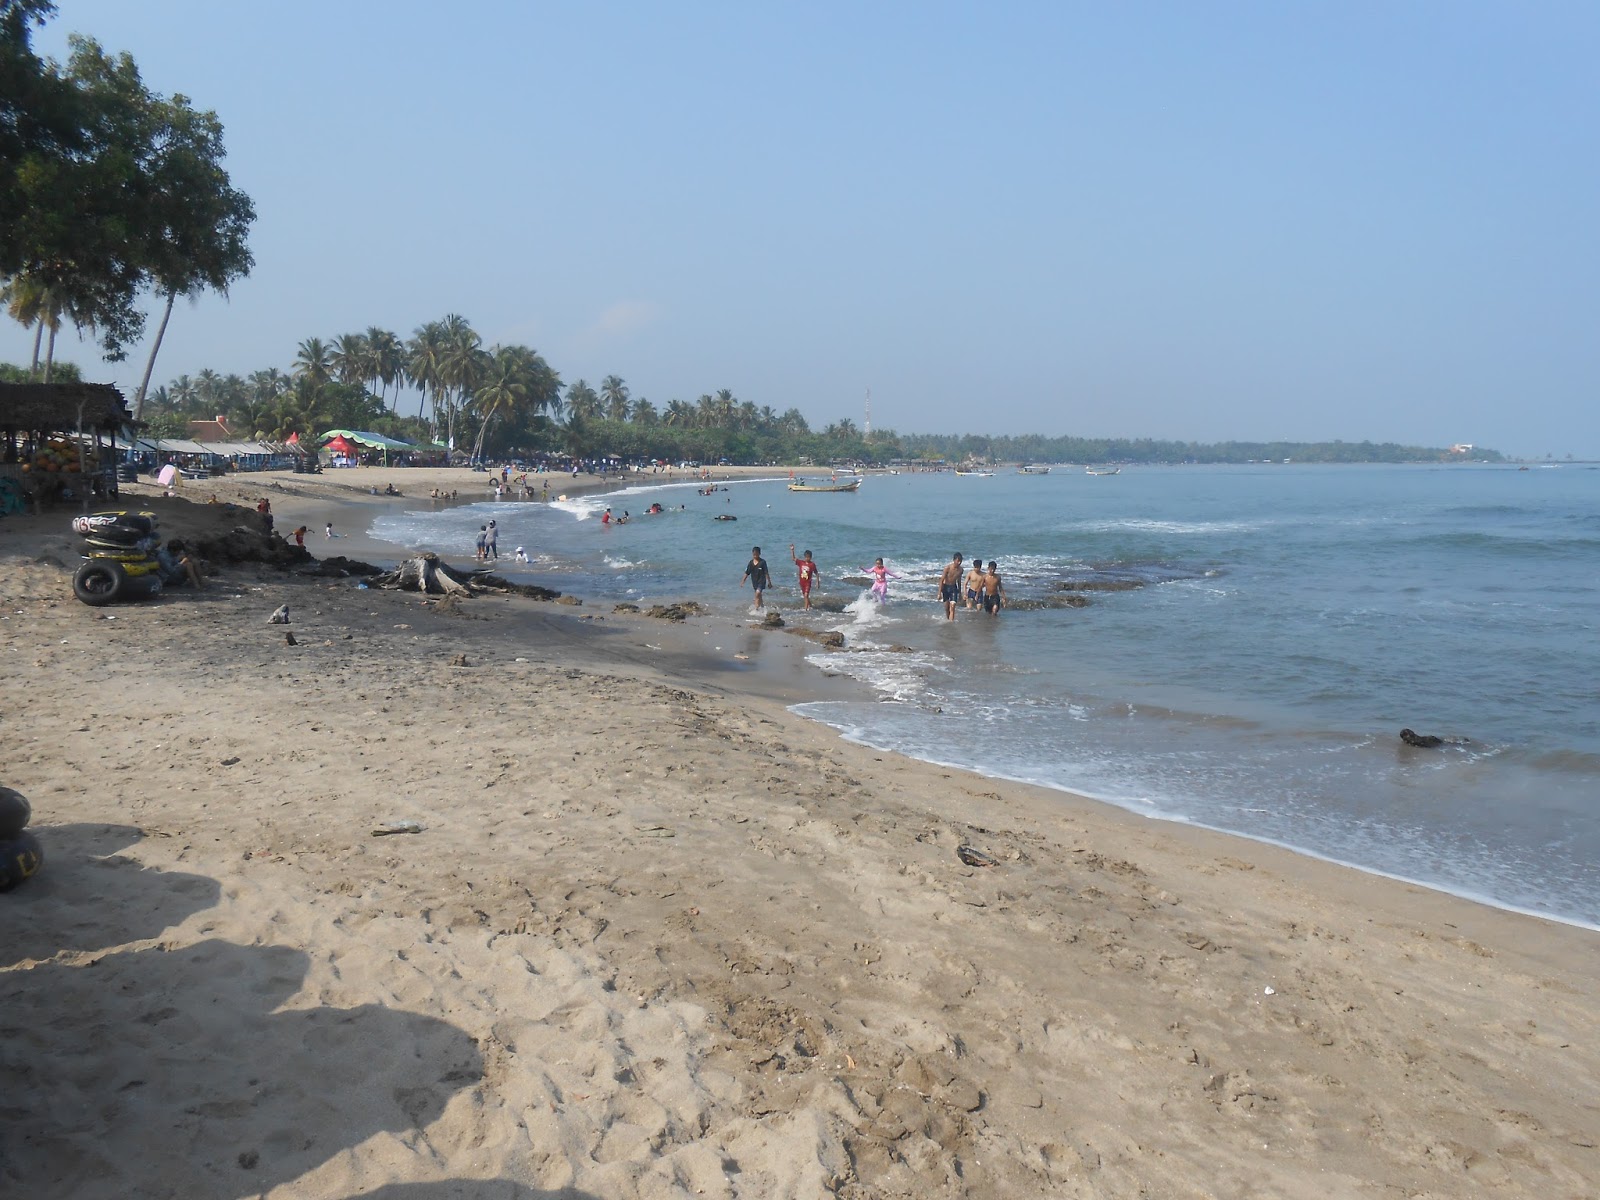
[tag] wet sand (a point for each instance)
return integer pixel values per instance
(660, 937)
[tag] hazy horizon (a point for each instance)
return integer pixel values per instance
(1238, 222)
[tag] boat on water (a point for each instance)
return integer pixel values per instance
(1102, 470)
(837, 485)
(1033, 469)
(976, 474)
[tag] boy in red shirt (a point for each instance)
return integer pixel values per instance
(808, 573)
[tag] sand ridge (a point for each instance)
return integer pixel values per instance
(659, 939)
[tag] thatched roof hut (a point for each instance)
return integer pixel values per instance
(62, 408)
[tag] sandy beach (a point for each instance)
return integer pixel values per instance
(659, 937)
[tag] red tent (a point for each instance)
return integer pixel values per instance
(341, 445)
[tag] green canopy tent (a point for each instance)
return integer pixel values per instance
(372, 441)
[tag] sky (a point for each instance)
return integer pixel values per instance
(1221, 221)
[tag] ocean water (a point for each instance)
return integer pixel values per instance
(1254, 640)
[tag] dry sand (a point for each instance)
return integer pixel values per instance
(659, 937)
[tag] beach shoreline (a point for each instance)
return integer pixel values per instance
(688, 928)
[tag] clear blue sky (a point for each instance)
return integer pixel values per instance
(1207, 221)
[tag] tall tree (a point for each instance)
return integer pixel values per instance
(614, 393)
(583, 402)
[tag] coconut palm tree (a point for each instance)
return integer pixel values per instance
(679, 414)
(424, 352)
(314, 361)
(462, 366)
(504, 389)
(385, 361)
(33, 305)
(348, 359)
(615, 395)
(583, 402)
(644, 413)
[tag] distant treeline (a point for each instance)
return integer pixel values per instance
(1037, 448)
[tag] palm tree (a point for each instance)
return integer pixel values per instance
(583, 402)
(424, 352)
(615, 394)
(183, 393)
(503, 391)
(679, 414)
(314, 362)
(462, 366)
(349, 358)
(644, 413)
(385, 360)
(34, 305)
(705, 412)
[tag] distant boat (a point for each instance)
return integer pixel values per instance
(1033, 469)
(1102, 470)
(838, 485)
(976, 474)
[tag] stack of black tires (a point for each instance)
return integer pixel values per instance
(21, 856)
(121, 560)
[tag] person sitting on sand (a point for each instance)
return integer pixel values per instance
(178, 565)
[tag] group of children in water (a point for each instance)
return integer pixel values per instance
(982, 585)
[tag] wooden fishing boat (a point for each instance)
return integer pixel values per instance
(1033, 469)
(837, 485)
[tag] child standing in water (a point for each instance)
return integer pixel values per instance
(808, 573)
(974, 583)
(880, 580)
(756, 572)
(994, 596)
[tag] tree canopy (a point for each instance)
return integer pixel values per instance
(107, 189)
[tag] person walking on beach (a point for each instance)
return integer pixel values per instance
(880, 580)
(330, 530)
(491, 545)
(300, 536)
(974, 583)
(950, 587)
(994, 595)
(757, 573)
(808, 574)
(483, 541)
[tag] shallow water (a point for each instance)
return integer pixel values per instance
(1279, 625)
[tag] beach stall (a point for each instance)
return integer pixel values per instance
(58, 441)
(346, 446)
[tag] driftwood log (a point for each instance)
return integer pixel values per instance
(430, 574)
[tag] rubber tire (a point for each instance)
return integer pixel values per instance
(99, 581)
(15, 813)
(20, 860)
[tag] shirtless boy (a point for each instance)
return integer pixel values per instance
(974, 582)
(994, 596)
(950, 587)
(808, 573)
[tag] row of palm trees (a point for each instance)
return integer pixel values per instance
(613, 402)
(358, 380)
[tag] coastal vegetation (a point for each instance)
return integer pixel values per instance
(109, 194)
(113, 197)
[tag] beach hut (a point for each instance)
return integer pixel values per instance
(60, 438)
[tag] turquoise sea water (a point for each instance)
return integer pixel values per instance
(1287, 622)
